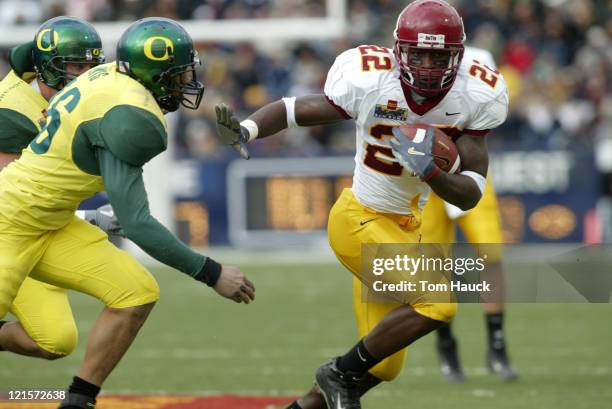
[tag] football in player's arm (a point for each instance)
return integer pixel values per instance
(423, 80)
(458, 189)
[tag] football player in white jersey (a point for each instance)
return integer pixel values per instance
(482, 224)
(422, 80)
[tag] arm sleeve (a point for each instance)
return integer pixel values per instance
(343, 86)
(134, 135)
(126, 192)
(16, 131)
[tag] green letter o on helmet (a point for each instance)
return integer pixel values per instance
(64, 40)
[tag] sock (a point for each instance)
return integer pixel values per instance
(82, 387)
(358, 359)
(294, 405)
(444, 332)
(1, 324)
(495, 324)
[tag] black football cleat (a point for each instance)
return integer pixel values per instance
(77, 401)
(499, 364)
(448, 356)
(338, 388)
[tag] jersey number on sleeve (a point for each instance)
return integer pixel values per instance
(373, 154)
(371, 58)
(484, 73)
(67, 102)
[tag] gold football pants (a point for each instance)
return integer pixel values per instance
(347, 232)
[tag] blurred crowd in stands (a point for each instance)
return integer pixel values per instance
(556, 57)
(35, 11)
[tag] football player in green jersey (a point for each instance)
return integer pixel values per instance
(100, 130)
(63, 48)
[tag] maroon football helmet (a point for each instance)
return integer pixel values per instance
(433, 26)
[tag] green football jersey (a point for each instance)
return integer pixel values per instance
(59, 168)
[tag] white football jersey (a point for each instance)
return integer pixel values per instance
(365, 83)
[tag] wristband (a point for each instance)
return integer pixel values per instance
(210, 273)
(480, 180)
(290, 108)
(251, 127)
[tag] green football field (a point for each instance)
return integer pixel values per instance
(196, 343)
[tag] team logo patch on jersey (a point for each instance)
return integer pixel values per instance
(390, 111)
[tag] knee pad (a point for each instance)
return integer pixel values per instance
(145, 290)
(62, 341)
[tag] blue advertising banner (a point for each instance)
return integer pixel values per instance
(544, 196)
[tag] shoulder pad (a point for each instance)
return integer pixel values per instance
(17, 131)
(355, 73)
(481, 83)
(133, 134)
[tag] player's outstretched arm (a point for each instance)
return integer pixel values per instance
(124, 140)
(126, 192)
(292, 112)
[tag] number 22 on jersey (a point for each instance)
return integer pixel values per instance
(380, 158)
(374, 58)
(484, 73)
(65, 103)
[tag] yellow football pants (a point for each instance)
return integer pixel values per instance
(346, 235)
(482, 224)
(77, 257)
(44, 312)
